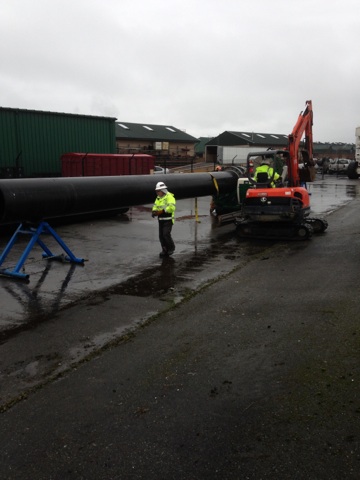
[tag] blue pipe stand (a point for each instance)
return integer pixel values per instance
(35, 233)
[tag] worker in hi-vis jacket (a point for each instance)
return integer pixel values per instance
(164, 209)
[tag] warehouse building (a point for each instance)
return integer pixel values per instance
(32, 142)
(171, 146)
(233, 147)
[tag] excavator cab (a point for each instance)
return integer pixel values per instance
(272, 208)
(269, 168)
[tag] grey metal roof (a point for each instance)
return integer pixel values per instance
(151, 132)
(262, 138)
(229, 138)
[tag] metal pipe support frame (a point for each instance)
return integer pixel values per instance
(35, 233)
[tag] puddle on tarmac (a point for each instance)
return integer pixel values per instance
(196, 269)
(174, 276)
(326, 197)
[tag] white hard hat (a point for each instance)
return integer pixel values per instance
(160, 186)
(265, 161)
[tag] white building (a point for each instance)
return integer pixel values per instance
(357, 145)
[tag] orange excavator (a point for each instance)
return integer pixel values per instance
(277, 204)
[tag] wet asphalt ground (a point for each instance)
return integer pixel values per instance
(233, 359)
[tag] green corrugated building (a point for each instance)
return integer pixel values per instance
(32, 141)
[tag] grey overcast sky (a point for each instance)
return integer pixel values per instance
(204, 66)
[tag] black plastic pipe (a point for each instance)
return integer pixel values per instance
(35, 199)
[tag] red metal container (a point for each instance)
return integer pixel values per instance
(100, 165)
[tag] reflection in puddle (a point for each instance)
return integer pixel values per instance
(36, 308)
(325, 197)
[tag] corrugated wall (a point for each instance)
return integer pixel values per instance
(32, 142)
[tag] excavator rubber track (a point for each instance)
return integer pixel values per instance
(318, 224)
(281, 230)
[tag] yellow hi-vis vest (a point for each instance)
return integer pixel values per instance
(167, 203)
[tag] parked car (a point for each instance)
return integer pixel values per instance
(331, 162)
(340, 165)
(160, 170)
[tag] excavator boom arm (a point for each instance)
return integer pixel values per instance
(303, 125)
